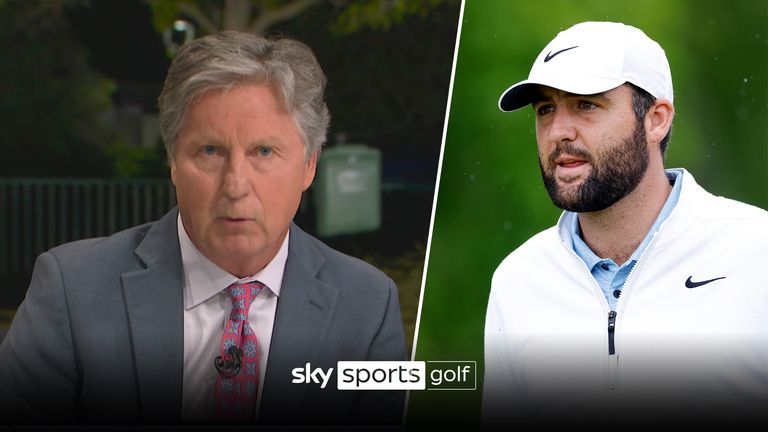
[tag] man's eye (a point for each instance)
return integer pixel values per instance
(265, 151)
(586, 105)
(209, 150)
(544, 109)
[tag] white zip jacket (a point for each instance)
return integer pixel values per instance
(680, 346)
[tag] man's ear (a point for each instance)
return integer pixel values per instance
(309, 169)
(172, 163)
(658, 120)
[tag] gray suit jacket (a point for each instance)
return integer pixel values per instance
(99, 336)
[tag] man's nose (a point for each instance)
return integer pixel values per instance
(235, 176)
(562, 126)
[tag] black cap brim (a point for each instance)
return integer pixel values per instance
(518, 96)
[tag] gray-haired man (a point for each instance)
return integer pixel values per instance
(204, 314)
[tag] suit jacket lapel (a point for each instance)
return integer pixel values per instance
(154, 300)
(304, 309)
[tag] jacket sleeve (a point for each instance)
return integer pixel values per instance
(38, 366)
(385, 407)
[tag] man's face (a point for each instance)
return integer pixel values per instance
(239, 169)
(592, 151)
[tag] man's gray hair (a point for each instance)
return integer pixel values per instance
(222, 60)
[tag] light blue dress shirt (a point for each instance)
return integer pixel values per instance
(609, 275)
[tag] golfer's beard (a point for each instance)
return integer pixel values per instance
(614, 174)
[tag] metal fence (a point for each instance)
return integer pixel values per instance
(37, 214)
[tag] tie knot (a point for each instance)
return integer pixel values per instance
(242, 296)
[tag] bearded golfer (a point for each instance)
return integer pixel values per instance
(648, 301)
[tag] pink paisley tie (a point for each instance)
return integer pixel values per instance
(238, 365)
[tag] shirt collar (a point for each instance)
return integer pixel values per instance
(203, 279)
(580, 246)
(588, 256)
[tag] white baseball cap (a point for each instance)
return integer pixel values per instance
(594, 57)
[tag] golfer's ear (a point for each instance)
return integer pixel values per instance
(658, 120)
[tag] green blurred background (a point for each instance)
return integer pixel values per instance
(491, 198)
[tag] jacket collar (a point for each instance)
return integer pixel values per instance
(693, 205)
(682, 214)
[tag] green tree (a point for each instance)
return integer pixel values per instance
(51, 101)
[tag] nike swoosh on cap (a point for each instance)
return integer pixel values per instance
(552, 55)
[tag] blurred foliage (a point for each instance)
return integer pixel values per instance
(51, 101)
(6, 315)
(380, 14)
(491, 198)
(261, 15)
(139, 162)
(165, 12)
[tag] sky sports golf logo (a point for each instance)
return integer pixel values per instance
(393, 375)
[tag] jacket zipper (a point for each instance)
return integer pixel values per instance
(611, 330)
(613, 366)
(613, 359)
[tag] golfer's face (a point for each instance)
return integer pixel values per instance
(588, 145)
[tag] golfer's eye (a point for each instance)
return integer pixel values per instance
(587, 105)
(544, 109)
